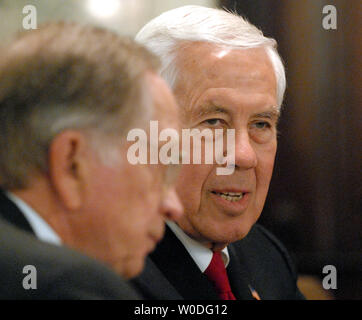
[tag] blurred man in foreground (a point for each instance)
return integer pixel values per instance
(68, 96)
(225, 75)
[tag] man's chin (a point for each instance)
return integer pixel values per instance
(220, 240)
(217, 234)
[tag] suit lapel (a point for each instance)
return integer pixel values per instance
(153, 284)
(238, 274)
(10, 212)
(171, 273)
(181, 271)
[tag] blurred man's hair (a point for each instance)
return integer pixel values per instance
(165, 33)
(66, 76)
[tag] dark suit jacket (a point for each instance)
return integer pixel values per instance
(61, 273)
(259, 261)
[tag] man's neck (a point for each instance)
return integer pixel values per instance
(41, 227)
(40, 198)
(201, 254)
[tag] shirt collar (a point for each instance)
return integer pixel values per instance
(42, 229)
(200, 254)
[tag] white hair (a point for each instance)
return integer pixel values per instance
(163, 34)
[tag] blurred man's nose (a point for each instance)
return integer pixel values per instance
(245, 156)
(171, 207)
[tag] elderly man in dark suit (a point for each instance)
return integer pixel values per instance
(68, 96)
(32, 269)
(225, 75)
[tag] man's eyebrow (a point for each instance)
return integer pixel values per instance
(211, 109)
(272, 114)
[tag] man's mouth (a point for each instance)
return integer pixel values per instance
(230, 196)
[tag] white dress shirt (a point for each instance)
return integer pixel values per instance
(41, 228)
(199, 253)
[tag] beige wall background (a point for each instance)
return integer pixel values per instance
(126, 17)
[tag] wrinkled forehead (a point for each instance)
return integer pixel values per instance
(198, 59)
(204, 66)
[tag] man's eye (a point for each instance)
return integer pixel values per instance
(262, 125)
(213, 122)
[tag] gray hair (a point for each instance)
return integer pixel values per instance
(195, 23)
(66, 76)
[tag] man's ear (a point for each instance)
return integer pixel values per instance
(67, 158)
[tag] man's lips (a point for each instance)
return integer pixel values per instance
(230, 190)
(231, 194)
(232, 200)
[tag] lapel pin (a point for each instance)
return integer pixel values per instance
(254, 293)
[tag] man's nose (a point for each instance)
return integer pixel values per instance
(171, 207)
(245, 156)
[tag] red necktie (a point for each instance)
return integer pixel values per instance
(216, 273)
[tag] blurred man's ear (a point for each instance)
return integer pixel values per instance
(67, 161)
